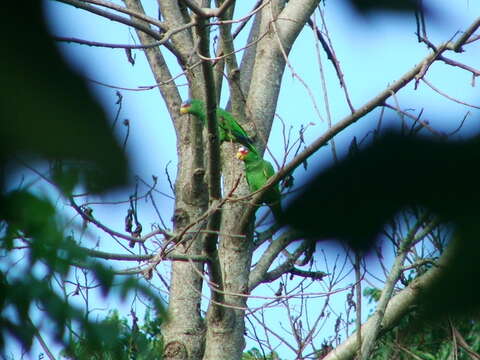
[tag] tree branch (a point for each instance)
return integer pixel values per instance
(448, 61)
(399, 305)
(195, 8)
(113, 256)
(257, 275)
(287, 265)
(314, 275)
(337, 128)
(457, 46)
(221, 10)
(135, 24)
(40, 339)
(138, 15)
(397, 267)
(165, 37)
(91, 219)
(213, 168)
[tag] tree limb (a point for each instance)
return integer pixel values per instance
(133, 23)
(457, 46)
(165, 37)
(398, 306)
(287, 265)
(314, 275)
(338, 127)
(257, 275)
(397, 267)
(141, 16)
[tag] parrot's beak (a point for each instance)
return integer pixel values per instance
(240, 155)
(184, 110)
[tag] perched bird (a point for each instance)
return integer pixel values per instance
(228, 127)
(257, 172)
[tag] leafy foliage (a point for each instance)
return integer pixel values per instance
(433, 341)
(132, 342)
(256, 354)
(47, 113)
(372, 293)
(366, 6)
(29, 220)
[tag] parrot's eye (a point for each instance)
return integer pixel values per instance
(243, 150)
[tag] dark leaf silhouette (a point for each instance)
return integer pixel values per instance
(352, 200)
(365, 6)
(46, 113)
(46, 109)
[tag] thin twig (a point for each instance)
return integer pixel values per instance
(448, 96)
(370, 336)
(130, 12)
(448, 61)
(457, 46)
(338, 127)
(93, 9)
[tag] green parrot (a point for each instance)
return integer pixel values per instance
(228, 128)
(257, 172)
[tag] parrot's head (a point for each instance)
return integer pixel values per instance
(192, 106)
(185, 107)
(242, 153)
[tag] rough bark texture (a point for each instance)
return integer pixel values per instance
(227, 243)
(184, 332)
(254, 89)
(281, 26)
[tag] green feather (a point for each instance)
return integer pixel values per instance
(257, 172)
(228, 127)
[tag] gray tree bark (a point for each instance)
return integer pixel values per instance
(221, 336)
(221, 229)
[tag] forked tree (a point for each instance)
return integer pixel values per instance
(219, 248)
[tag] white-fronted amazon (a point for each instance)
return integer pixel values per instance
(228, 127)
(257, 172)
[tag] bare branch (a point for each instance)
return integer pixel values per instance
(398, 306)
(457, 46)
(448, 61)
(269, 63)
(130, 12)
(195, 8)
(40, 339)
(93, 9)
(314, 275)
(377, 318)
(221, 10)
(448, 96)
(112, 256)
(287, 265)
(213, 167)
(257, 275)
(88, 218)
(423, 123)
(206, 13)
(165, 37)
(338, 127)
(330, 52)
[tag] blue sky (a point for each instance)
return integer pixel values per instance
(373, 52)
